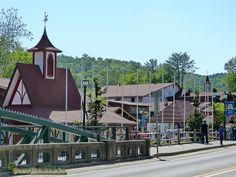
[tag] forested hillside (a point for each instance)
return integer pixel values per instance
(103, 68)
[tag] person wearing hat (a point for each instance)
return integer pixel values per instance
(221, 134)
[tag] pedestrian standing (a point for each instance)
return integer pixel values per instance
(234, 132)
(221, 134)
(204, 132)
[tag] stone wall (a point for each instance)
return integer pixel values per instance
(72, 153)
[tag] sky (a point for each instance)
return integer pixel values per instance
(136, 30)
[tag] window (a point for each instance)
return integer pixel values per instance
(132, 99)
(50, 65)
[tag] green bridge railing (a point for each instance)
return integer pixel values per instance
(31, 119)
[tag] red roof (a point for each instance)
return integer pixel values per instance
(49, 92)
(179, 112)
(44, 43)
(133, 90)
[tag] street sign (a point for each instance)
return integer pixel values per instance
(229, 108)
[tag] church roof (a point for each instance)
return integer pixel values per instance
(44, 44)
(49, 93)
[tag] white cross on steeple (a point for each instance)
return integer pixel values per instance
(45, 19)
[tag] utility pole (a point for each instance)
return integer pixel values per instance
(184, 102)
(137, 103)
(150, 82)
(174, 104)
(107, 86)
(66, 90)
(85, 84)
(122, 104)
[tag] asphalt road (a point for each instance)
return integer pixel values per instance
(218, 162)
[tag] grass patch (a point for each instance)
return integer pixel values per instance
(51, 170)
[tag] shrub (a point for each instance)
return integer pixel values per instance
(11, 166)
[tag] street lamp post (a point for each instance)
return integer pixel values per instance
(85, 84)
(224, 121)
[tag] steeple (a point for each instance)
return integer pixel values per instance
(44, 44)
(208, 80)
(45, 54)
(207, 84)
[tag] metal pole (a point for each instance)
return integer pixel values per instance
(84, 107)
(137, 102)
(184, 102)
(150, 82)
(157, 133)
(81, 88)
(107, 87)
(205, 96)
(66, 90)
(212, 110)
(224, 122)
(156, 115)
(93, 78)
(174, 105)
(163, 101)
(122, 104)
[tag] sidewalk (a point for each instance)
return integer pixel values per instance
(169, 150)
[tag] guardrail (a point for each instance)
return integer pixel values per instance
(176, 136)
(73, 153)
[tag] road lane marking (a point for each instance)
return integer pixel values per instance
(217, 172)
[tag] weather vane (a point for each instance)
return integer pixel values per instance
(45, 19)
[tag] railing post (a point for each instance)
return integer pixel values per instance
(194, 136)
(114, 133)
(110, 150)
(127, 133)
(98, 137)
(178, 136)
(147, 143)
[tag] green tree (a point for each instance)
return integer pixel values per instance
(219, 114)
(151, 65)
(11, 30)
(180, 64)
(230, 67)
(96, 105)
(166, 71)
(83, 67)
(195, 120)
(18, 56)
(230, 82)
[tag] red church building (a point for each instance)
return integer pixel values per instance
(40, 88)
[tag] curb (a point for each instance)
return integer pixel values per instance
(192, 150)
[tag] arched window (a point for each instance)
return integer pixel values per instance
(50, 65)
